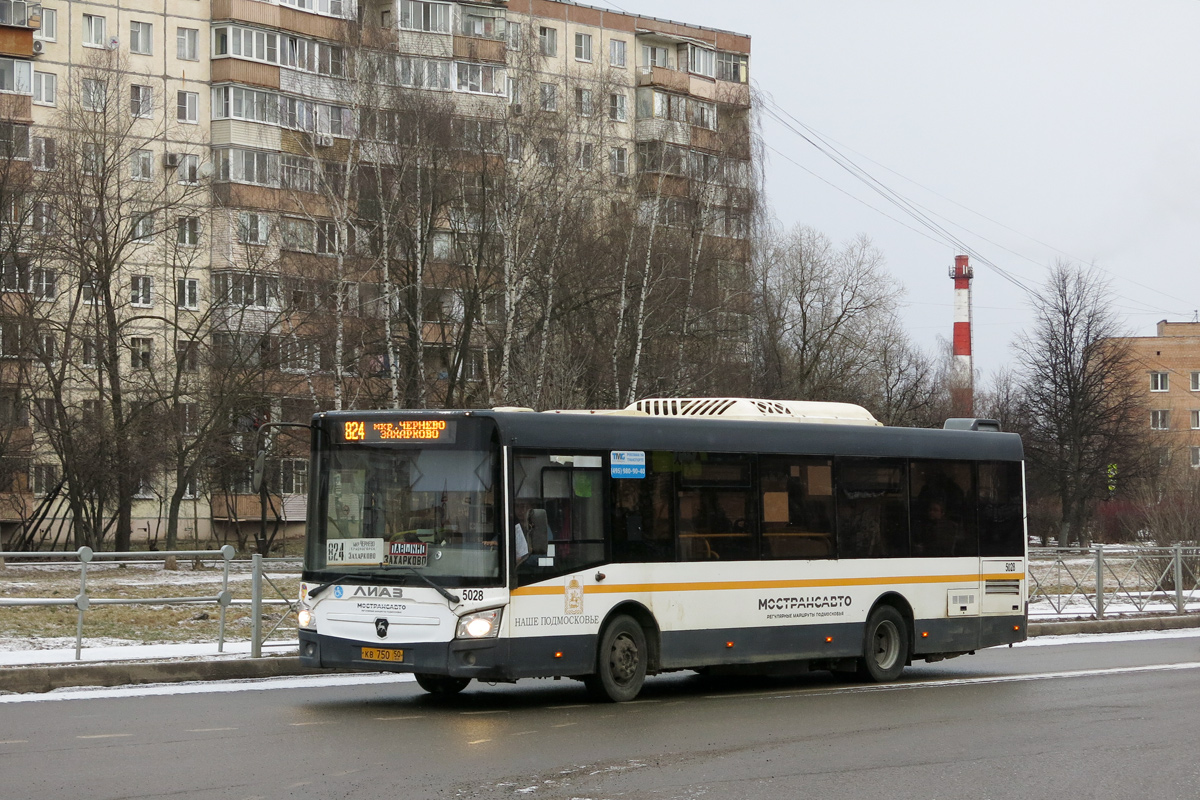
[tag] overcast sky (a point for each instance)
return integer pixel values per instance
(1032, 129)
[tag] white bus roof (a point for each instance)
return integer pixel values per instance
(749, 408)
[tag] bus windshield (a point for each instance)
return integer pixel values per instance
(391, 501)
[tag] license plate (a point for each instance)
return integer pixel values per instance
(380, 654)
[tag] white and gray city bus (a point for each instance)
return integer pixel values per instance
(720, 535)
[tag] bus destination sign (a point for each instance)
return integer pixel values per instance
(440, 431)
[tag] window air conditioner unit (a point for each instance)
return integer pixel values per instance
(39, 47)
(324, 140)
(171, 160)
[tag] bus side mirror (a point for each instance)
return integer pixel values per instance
(260, 468)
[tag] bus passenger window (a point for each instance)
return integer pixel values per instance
(797, 507)
(872, 508)
(1001, 509)
(643, 525)
(942, 504)
(717, 518)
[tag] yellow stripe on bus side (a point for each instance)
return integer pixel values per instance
(634, 588)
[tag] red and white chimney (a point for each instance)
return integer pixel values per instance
(962, 375)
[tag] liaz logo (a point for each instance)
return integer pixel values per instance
(378, 591)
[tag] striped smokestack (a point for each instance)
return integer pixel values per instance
(962, 376)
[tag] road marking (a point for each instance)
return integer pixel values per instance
(317, 722)
(564, 725)
(105, 736)
(522, 733)
(949, 682)
(209, 730)
(479, 741)
(480, 713)
(410, 716)
(16, 741)
(559, 708)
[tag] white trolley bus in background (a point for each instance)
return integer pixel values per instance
(719, 535)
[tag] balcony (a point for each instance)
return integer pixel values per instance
(664, 78)
(21, 14)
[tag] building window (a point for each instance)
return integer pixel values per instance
(141, 38)
(1195, 457)
(548, 41)
(188, 171)
(94, 94)
(514, 35)
(141, 101)
(480, 78)
(44, 153)
(93, 31)
(702, 61)
(189, 416)
(43, 478)
(1196, 381)
(141, 165)
(616, 107)
(247, 166)
(43, 218)
(143, 227)
(327, 237)
(187, 356)
(655, 56)
(187, 293)
(584, 155)
(1159, 381)
(583, 47)
(548, 98)
(296, 173)
(1196, 420)
(583, 102)
(44, 284)
(14, 141)
(293, 476)
(16, 76)
(187, 231)
(547, 152)
(141, 291)
(187, 44)
(424, 16)
(253, 228)
(45, 88)
(733, 67)
(90, 350)
(187, 106)
(618, 161)
(616, 53)
(1160, 420)
(49, 30)
(704, 115)
(141, 350)
(299, 355)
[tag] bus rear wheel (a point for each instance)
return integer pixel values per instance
(885, 646)
(441, 684)
(620, 662)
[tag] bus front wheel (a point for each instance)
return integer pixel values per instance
(441, 684)
(620, 662)
(885, 645)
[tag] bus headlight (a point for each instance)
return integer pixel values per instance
(479, 625)
(305, 618)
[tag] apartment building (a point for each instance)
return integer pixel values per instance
(1169, 367)
(304, 215)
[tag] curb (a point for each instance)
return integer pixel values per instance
(47, 678)
(38, 679)
(1119, 625)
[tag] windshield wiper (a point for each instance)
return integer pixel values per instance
(453, 598)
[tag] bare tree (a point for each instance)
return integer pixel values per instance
(1079, 397)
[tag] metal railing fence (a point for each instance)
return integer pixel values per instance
(1099, 580)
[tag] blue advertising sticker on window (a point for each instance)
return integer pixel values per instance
(628, 463)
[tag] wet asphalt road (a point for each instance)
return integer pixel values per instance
(1102, 719)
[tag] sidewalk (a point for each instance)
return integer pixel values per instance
(34, 670)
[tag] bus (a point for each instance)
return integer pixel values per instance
(723, 535)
